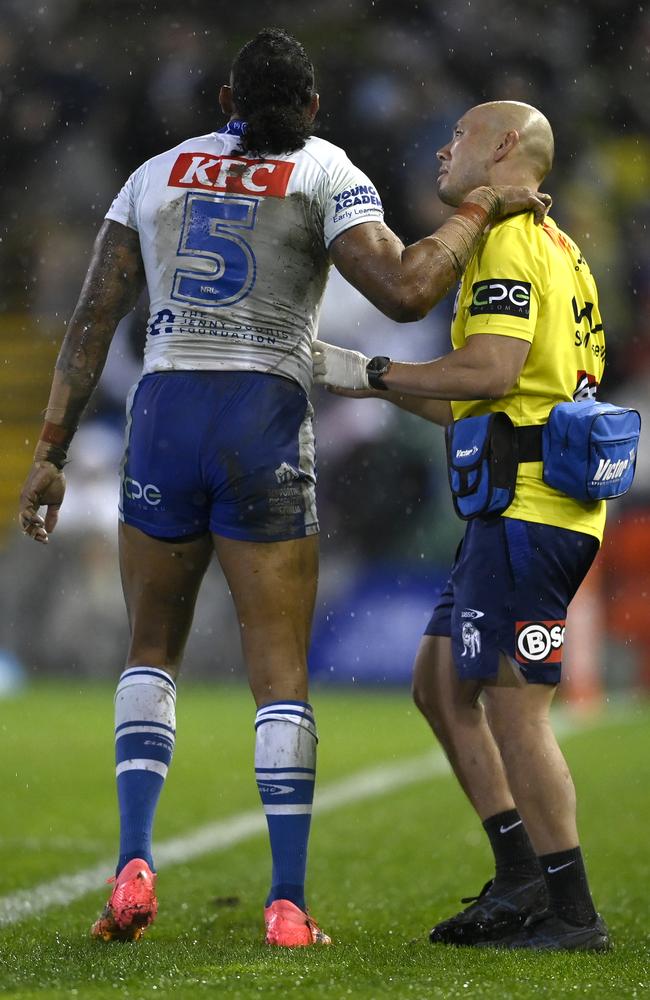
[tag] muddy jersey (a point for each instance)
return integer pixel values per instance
(235, 250)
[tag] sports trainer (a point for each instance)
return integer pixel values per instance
(526, 334)
(233, 233)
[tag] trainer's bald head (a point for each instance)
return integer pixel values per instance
(501, 142)
(533, 142)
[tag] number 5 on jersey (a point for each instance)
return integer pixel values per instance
(211, 225)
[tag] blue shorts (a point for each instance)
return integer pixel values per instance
(509, 590)
(229, 452)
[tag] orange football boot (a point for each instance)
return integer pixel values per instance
(290, 927)
(132, 905)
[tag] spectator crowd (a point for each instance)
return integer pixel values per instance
(88, 91)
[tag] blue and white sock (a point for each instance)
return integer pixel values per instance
(285, 769)
(145, 730)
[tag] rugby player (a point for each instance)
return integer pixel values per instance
(233, 233)
(526, 334)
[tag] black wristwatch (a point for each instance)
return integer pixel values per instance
(375, 370)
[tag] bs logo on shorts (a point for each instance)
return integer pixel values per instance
(537, 642)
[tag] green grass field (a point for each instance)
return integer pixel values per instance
(382, 870)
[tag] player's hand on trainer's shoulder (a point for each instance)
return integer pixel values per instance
(337, 366)
(44, 487)
(513, 199)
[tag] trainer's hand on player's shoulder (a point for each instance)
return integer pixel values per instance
(522, 199)
(44, 487)
(336, 366)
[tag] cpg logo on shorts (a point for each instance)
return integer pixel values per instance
(539, 642)
(136, 491)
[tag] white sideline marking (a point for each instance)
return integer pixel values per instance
(221, 835)
(225, 833)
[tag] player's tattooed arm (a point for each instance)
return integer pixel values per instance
(111, 288)
(113, 283)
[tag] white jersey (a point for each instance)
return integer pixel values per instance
(235, 250)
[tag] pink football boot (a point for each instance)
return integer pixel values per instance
(290, 927)
(132, 905)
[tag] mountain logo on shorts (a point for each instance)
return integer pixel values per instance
(471, 640)
(286, 473)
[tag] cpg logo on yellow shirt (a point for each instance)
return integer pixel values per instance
(501, 297)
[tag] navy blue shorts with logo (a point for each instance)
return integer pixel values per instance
(509, 590)
(229, 452)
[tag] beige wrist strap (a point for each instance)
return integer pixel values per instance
(460, 234)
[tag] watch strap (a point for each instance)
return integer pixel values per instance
(376, 368)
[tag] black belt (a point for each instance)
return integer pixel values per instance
(529, 442)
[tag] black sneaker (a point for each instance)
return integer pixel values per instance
(547, 931)
(496, 912)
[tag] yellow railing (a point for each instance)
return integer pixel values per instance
(28, 350)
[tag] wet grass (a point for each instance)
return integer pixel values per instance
(382, 870)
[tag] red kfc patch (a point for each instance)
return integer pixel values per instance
(231, 174)
(539, 642)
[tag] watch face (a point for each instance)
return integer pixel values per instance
(378, 365)
(375, 369)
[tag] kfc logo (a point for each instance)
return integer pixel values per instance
(231, 174)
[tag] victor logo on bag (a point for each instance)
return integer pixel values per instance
(589, 449)
(612, 470)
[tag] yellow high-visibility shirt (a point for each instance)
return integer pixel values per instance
(532, 282)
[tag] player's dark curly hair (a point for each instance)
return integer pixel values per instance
(273, 84)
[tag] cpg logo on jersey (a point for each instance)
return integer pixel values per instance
(503, 296)
(537, 642)
(231, 174)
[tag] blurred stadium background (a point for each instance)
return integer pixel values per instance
(88, 91)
